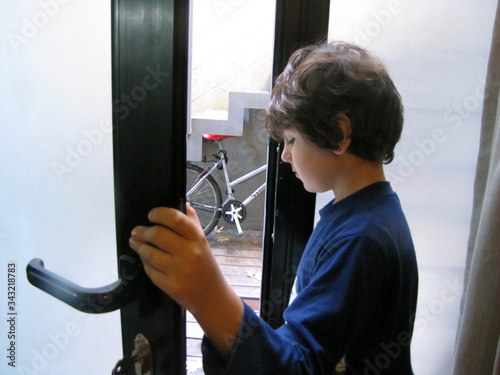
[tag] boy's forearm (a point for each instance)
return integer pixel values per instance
(221, 319)
(178, 259)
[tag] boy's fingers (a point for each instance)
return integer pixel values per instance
(153, 259)
(164, 238)
(156, 237)
(137, 237)
(185, 225)
(191, 213)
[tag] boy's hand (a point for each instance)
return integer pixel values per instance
(176, 255)
(178, 259)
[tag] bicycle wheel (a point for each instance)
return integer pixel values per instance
(206, 199)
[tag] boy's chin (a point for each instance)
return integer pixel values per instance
(310, 189)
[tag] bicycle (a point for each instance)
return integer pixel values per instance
(204, 195)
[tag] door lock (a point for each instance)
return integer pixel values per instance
(140, 362)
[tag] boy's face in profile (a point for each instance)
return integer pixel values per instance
(314, 166)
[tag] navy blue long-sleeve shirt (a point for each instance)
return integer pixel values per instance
(354, 297)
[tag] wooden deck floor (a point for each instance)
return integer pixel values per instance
(240, 259)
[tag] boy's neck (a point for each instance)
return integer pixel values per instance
(357, 174)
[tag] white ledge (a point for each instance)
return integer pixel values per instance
(223, 123)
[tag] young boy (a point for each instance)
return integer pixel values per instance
(340, 116)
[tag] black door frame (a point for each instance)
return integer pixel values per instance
(149, 73)
(289, 210)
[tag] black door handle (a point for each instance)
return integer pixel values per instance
(90, 300)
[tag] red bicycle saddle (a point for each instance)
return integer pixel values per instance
(216, 137)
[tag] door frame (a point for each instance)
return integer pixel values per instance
(290, 209)
(149, 91)
(298, 22)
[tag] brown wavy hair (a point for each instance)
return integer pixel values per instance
(323, 80)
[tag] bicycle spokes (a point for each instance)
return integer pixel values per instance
(235, 212)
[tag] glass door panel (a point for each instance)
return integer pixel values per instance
(56, 179)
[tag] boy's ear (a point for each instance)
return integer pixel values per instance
(345, 125)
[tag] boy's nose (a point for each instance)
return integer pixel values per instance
(285, 155)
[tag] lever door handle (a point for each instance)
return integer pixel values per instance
(90, 300)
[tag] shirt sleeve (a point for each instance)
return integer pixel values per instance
(320, 323)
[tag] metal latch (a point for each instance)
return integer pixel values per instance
(140, 362)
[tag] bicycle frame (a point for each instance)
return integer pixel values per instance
(230, 184)
(234, 209)
(244, 178)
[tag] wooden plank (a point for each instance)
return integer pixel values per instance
(243, 279)
(247, 252)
